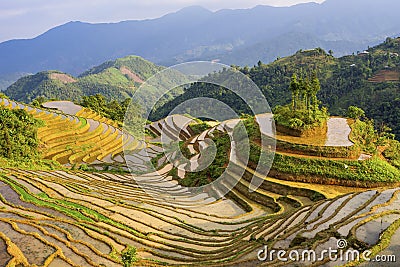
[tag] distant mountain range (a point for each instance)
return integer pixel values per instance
(239, 37)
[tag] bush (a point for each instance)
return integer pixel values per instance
(300, 119)
(129, 256)
(18, 134)
(198, 128)
(364, 135)
(392, 153)
(354, 112)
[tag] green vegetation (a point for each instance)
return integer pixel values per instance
(30, 164)
(129, 256)
(18, 134)
(320, 151)
(392, 153)
(142, 68)
(115, 80)
(199, 127)
(44, 201)
(346, 81)
(365, 135)
(3, 96)
(304, 112)
(300, 119)
(372, 170)
(354, 112)
(101, 215)
(304, 92)
(113, 109)
(215, 169)
(42, 86)
(83, 122)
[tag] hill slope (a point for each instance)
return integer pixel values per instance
(114, 79)
(196, 33)
(350, 80)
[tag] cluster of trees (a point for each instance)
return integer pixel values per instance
(365, 132)
(110, 109)
(304, 112)
(126, 113)
(304, 91)
(18, 134)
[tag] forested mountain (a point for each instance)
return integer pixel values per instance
(114, 79)
(233, 36)
(369, 79)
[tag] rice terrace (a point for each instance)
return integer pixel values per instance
(90, 216)
(212, 138)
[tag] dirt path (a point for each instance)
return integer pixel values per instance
(338, 132)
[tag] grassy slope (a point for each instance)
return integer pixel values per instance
(106, 79)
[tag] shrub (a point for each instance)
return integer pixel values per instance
(392, 153)
(129, 256)
(364, 134)
(18, 134)
(354, 112)
(300, 119)
(198, 128)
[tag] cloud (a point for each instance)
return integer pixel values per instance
(29, 18)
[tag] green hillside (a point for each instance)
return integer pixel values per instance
(369, 79)
(142, 68)
(115, 80)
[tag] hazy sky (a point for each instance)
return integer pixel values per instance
(29, 18)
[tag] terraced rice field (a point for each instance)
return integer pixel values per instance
(76, 218)
(385, 76)
(80, 138)
(83, 219)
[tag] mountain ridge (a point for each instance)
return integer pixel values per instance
(115, 79)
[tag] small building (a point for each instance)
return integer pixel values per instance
(363, 53)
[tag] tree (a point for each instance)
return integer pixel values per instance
(308, 93)
(355, 112)
(315, 88)
(304, 90)
(304, 112)
(37, 102)
(294, 87)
